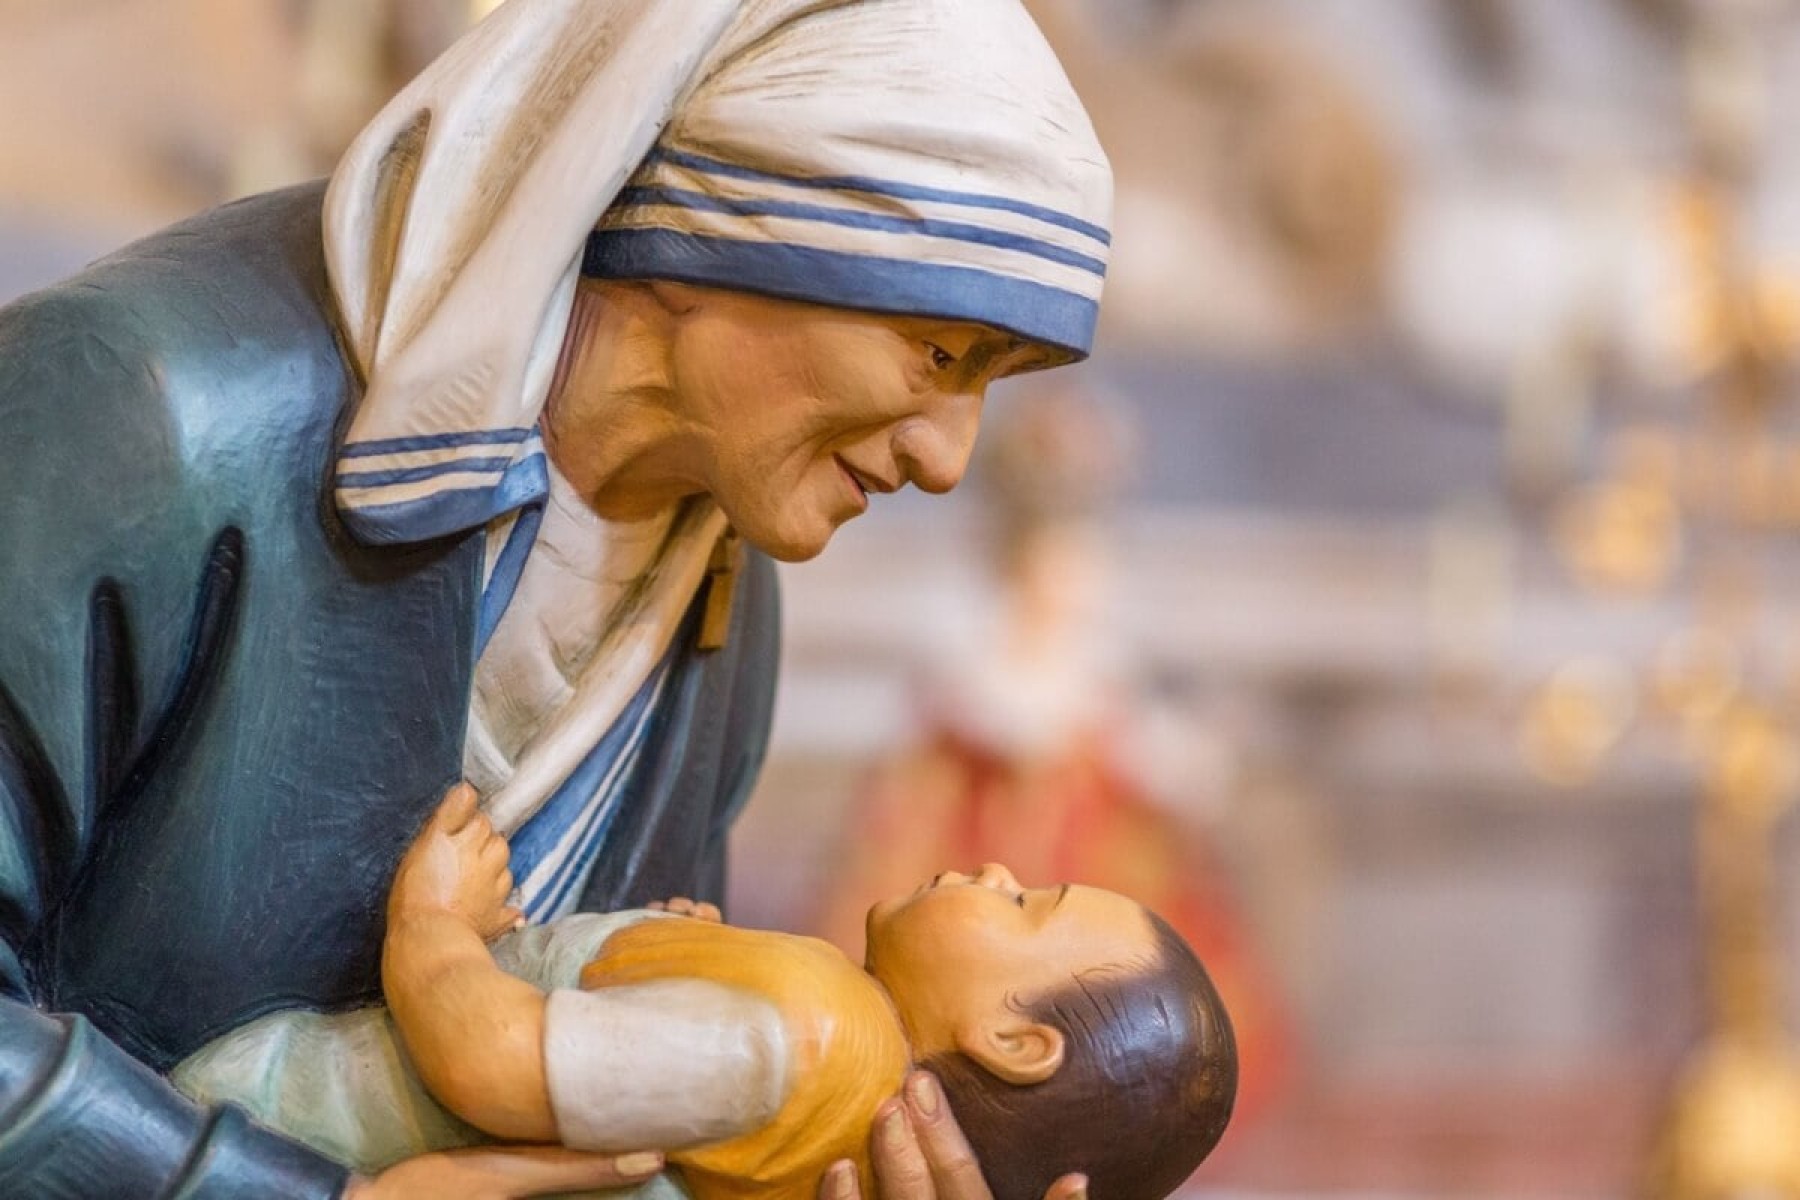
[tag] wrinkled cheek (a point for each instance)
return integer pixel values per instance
(792, 498)
(757, 504)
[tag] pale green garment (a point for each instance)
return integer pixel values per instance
(341, 1082)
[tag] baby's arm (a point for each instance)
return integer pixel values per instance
(475, 1033)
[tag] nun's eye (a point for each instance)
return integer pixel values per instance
(941, 359)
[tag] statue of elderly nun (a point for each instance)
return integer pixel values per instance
(470, 466)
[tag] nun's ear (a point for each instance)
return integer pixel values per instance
(676, 299)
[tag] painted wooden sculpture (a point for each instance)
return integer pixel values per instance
(314, 505)
(1072, 1030)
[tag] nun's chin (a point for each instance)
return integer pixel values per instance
(790, 548)
(793, 537)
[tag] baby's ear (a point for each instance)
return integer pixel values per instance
(1013, 1049)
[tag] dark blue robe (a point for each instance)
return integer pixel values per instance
(222, 719)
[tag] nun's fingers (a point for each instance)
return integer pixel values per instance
(954, 1171)
(839, 1183)
(901, 1169)
(504, 1173)
(681, 906)
(1069, 1187)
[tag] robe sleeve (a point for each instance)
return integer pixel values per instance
(95, 507)
(654, 1066)
(666, 1065)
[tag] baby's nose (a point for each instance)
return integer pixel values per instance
(995, 875)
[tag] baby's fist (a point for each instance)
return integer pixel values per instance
(457, 866)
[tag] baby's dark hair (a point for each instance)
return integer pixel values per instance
(1146, 1086)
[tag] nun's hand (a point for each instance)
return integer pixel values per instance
(681, 906)
(920, 1153)
(503, 1173)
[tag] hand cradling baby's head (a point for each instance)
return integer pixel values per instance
(1073, 1030)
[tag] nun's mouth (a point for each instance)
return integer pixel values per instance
(859, 487)
(859, 494)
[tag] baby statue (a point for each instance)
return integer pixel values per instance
(1072, 1031)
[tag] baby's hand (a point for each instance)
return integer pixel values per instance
(457, 866)
(681, 906)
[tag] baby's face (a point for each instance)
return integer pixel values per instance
(956, 951)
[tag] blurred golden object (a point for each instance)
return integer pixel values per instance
(1695, 678)
(1752, 767)
(1737, 318)
(1576, 719)
(1615, 532)
(1623, 534)
(1733, 1128)
(1620, 536)
(1732, 1125)
(1732, 1132)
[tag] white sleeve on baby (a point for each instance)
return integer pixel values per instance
(663, 1065)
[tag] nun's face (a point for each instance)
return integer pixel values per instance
(810, 412)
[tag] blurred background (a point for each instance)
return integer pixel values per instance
(1403, 600)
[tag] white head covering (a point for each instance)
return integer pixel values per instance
(921, 157)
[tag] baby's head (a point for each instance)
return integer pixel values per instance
(1073, 1030)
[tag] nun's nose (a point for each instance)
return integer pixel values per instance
(933, 448)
